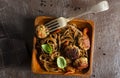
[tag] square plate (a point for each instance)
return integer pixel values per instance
(36, 68)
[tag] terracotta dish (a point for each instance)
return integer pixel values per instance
(81, 25)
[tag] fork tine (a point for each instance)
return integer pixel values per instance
(51, 22)
(55, 28)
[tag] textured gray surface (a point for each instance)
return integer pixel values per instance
(16, 31)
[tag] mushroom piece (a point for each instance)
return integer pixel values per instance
(81, 63)
(41, 31)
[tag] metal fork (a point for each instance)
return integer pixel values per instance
(62, 22)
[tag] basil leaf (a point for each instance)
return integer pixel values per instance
(61, 62)
(47, 48)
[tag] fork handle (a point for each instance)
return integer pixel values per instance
(101, 6)
(84, 13)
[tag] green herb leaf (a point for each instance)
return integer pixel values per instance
(61, 62)
(47, 48)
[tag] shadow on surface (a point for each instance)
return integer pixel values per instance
(16, 47)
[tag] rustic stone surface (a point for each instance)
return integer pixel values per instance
(16, 32)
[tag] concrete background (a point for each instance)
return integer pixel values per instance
(16, 32)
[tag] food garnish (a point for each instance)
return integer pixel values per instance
(47, 48)
(61, 62)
